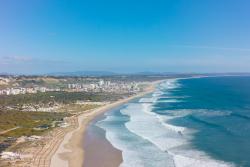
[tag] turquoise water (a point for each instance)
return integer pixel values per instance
(187, 122)
(224, 125)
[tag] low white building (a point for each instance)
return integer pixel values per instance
(10, 155)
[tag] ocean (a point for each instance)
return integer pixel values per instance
(198, 122)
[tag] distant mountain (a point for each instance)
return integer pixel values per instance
(109, 73)
(154, 73)
(84, 73)
(105, 73)
(5, 74)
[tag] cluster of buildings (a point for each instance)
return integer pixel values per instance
(10, 155)
(20, 90)
(96, 86)
(7, 155)
(105, 86)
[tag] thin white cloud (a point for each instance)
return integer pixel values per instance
(26, 60)
(17, 58)
(5, 60)
(31, 65)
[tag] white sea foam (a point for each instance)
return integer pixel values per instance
(212, 113)
(148, 125)
(148, 100)
(157, 93)
(136, 151)
(177, 129)
(168, 138)
(198, 112)
(149, 140)
(188, 159)
(172, 97)
(178, 113)
(169, 101)
(169, 84)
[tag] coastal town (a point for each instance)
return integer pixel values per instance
(37, 112)
(99, 83)
(95, 86)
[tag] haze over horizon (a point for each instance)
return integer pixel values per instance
(38, 37)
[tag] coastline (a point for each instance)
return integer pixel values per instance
(70, 152)
(99, 151)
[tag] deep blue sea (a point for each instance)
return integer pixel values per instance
(195, 122)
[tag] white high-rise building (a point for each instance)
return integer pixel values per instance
(101, 82)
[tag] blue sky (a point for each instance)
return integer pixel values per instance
(40, 36)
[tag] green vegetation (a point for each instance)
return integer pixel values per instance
(14, 123)
(11, 115)
(58, 97)
(26, 121)
(76, 108)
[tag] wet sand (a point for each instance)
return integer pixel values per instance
(96, 147)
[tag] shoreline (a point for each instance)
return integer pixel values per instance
(99, 151)
(70, 152)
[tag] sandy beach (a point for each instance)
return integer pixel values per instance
(98, 150)
(70, 153)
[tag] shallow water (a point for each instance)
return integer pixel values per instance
(188, 122)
